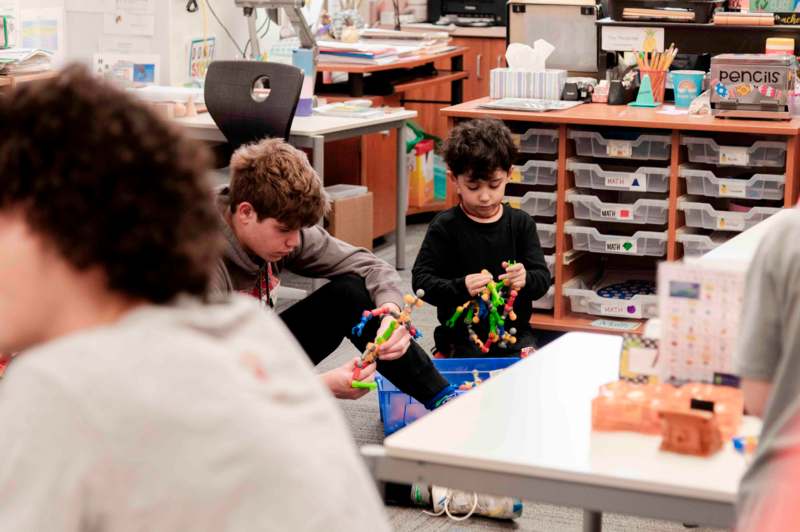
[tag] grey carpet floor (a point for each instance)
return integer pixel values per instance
(362, 415)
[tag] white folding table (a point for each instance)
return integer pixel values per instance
(314, 131)
(527, 433)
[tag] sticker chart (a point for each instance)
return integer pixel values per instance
(700, 307)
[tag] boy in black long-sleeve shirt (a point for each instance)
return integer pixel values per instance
(481, 233)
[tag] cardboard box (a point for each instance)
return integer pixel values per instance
(351, 220)
(510, 83)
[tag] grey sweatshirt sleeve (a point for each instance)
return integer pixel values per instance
(759, 347)
(321, 255)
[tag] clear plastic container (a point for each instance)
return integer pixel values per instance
(583, 297)
(705, 216)
(696, 244)
(769, 153)
(641, 243)
(641, 211)
(538, 140)
(535, 172)
(550, 260)
(645, 147)
(546, 302)
(644, 179)
(759, 186)
(547, 235)
(535, 203)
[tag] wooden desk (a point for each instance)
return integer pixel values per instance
(356, 72)
(9, 82)
(528, 433)
(364, 161)
(314, 132)
(642, 119)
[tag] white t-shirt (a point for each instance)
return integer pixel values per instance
(177, 418)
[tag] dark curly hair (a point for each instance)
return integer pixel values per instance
(478, 148)
(110, 185)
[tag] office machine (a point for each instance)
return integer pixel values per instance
(468, 12)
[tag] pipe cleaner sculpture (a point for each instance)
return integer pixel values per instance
(495, 303)
(401, 319)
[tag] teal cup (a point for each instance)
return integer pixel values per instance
(687, 85)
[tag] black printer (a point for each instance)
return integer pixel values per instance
(468, 12)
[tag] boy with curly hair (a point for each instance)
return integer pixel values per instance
(133, 404)
(476, 241)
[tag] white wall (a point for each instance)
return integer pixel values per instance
(174, 30)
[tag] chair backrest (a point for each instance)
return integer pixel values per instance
(229, 90)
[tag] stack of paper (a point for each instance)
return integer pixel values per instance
(24, 61)
(356, 53)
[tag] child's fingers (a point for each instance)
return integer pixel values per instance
(367, 373)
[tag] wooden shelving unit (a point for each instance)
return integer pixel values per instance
(562, 318)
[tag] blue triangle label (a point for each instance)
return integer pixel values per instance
(635, 183)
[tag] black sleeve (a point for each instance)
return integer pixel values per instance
(537, 280)
(431, 264)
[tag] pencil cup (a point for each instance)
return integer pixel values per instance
(657, 79)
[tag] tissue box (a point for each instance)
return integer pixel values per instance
(510, 83)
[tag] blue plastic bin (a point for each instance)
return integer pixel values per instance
(399, 409)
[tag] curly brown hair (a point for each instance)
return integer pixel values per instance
(110, 185)
(478, 148)
(277, 180)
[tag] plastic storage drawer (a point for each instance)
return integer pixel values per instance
(641, 211)
(645, 147)
(761, 153)
(641, 243)
(535, 172)
(697, 245)
(535, 203)
(705, 216)
(398, 409)
(584, 299)
(643, 179)
(538, 140)
(546, 302)
(757, 187)
(547, 235)
(550, 260)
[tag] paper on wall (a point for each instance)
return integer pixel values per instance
(136, 6)
(43, 28)
(126, 45)
(125, 23)
(89, 6)
(128, 70)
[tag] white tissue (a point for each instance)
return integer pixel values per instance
(523, 57)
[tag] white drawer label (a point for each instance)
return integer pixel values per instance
(620, 308)
(637, 182)
(619, 148)
(730, 222)
(622, 245)
(622, 213)
(733, 155)
(732, 188)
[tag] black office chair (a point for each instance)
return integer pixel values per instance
(232, 93)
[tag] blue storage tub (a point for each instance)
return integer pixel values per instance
(398, 409)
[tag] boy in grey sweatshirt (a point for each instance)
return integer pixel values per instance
(268, 216)
(133, 404)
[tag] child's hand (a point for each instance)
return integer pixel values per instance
(397, 344)
(515, 275)
(338, 380)
(476, 282)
